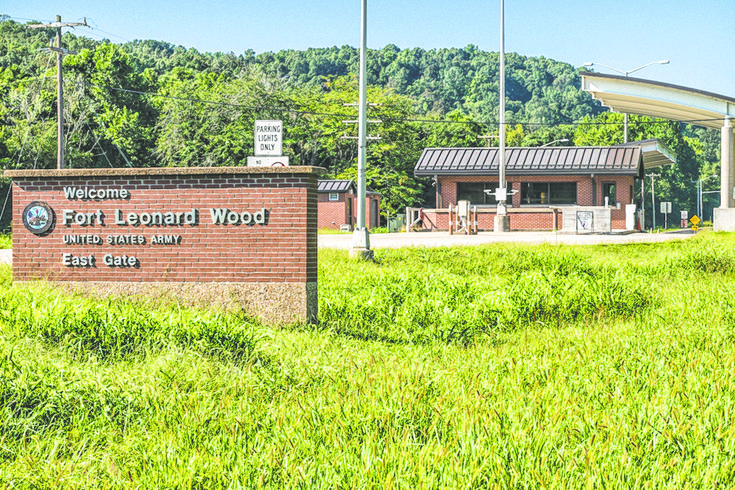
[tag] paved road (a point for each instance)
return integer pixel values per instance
(440, 239)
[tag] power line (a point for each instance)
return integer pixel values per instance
(392, 119)
(284, 110)
(95, 27)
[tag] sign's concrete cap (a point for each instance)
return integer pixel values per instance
(656, 99)
(152, 171)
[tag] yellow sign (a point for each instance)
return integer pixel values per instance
(695, 227)
(695, 220)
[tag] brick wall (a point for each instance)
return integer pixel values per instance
(267, 232)
(541, 219)
(520, 219)
(623, 195)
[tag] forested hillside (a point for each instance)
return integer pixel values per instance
(150, 103)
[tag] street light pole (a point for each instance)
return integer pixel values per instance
(501, 112)
(502, 220)
(626, 73)
(361, 237)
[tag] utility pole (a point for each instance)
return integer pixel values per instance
(653, 199)
(60, 52)
(643, 203)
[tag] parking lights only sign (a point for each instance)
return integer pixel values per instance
(268, 138)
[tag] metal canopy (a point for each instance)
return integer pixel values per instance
(655, 153)
(657, 99)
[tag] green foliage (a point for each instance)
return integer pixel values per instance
(151, 103)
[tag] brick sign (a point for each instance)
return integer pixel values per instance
(235, 237)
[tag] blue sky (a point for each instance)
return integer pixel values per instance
(624, 34)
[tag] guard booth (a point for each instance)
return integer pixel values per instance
(545, 182)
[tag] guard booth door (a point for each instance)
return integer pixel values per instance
(374, 218)
(348, 211)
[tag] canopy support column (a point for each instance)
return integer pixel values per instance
(724, 216)
(726, 167)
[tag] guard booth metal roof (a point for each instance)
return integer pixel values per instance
(324, 186)
(627, 159)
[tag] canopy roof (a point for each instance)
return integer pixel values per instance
(655, 153)
(657, 99)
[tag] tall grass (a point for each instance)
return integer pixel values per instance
(487, 367)
(115, 329)
(456, 294)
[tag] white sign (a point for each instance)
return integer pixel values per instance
(268, 138)
(279, 161)
(665, 207)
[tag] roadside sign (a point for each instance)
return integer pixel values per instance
(268, 138)
(695, 222)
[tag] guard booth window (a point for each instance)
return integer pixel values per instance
(474, 192)
(546, 193)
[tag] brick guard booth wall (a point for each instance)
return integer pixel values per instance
(227, 237)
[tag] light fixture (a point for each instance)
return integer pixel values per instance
(626, 73)
(563, 140)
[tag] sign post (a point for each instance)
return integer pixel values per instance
(666, 210)
(695, 223)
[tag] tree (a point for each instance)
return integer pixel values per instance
(108, 104)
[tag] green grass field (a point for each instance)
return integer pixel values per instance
(501, 366)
